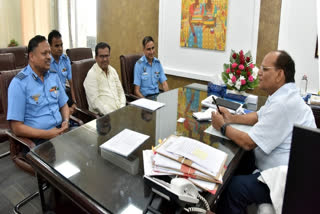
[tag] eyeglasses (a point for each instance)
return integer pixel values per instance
(266, 68)
(103, 56)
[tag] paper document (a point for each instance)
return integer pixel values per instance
(204, 115)
(202, 157)
(125, 142)
(213, 131)
(182, 169)
(202, 154)
(148, 104)
(148, 166)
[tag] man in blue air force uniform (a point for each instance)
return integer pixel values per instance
(37, 102)
(148, 72)
(61, 63)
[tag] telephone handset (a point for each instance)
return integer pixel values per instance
(186, 190)
(182, 188)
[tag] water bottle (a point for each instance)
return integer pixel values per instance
(304, 86)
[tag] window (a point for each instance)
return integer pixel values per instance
(77, 23)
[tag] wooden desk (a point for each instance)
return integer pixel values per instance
(99, 186)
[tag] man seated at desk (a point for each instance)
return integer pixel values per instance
(37, 103)
(61, 63)
(148, 72)
(270, 136)
(102, 85)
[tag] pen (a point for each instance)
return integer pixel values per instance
(215, 102)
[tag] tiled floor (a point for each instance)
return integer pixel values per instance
(15, 185)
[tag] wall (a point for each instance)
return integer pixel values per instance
(298, 33)
(123, 24)
(267, 37)
(242, 33)
(10, 22)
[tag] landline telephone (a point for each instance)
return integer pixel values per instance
(181, 188)
(178, 189)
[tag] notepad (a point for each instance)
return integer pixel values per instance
(204, 115)
(148, 104)
(125, 142)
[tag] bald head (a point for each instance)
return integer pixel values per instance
(277, 69)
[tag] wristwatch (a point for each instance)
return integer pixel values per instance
(224, 128)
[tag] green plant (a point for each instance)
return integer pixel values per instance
(13, 43)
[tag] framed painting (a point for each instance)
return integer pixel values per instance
(204, 24)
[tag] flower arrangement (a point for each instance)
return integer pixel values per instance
(240, 74)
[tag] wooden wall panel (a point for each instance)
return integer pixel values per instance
(123, 24)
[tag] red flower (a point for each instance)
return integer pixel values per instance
(238, 72)
(234, 56)
(248, 59)
(246, 69)
(248, 73)
(241, 53)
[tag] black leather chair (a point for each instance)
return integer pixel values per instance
(127, 63)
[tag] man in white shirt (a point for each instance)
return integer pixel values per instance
(102, 85)
(270, 136)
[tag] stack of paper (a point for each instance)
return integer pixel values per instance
(202, 164)
(148, 104)
(125, 142)
(204, 115)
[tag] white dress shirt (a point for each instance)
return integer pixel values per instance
(273, 131)
(104, 91)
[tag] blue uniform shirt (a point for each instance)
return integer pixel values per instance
(147, 76)
(35, 103)
(63, 68)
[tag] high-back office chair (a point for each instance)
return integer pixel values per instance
(20, 54)
(76, 54)
(15, 142)
(80, 70)
(127, 63)
(7, 62)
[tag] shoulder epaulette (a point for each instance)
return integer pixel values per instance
(52, 71)
(139, 61)
(20, 76)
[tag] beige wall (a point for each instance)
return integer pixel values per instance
(23, 19)
(10, 22)
(124, 23)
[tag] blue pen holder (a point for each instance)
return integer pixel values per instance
(217, 90)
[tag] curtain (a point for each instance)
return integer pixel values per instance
(38, 17)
